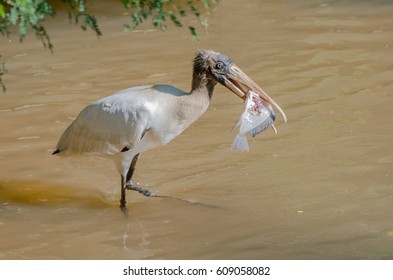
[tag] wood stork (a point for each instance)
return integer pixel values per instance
(138, 119)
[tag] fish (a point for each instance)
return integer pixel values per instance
(256, 118)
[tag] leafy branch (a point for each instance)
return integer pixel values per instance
(79, 14)
(31, 14)
(2, 72)
(160, 12)
(25, 14)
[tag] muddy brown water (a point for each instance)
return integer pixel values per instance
(322, 188)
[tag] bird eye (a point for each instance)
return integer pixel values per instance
(219, 65)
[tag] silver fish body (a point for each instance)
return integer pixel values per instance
(255, 119)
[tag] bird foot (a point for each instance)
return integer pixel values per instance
(134, 187)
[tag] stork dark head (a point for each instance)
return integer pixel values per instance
(211, 67)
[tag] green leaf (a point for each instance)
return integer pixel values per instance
(175, 21)
(126, 3)
(2, 72)
(181, 11)
(2, 11)
(194, 33)
(13, 16)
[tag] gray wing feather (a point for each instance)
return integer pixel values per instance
(103, 128)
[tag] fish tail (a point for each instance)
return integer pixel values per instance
(240, 143)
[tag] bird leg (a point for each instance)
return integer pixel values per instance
(123, 194)
(132, 186)
(127, 184)
(131, 171)
(126, 181)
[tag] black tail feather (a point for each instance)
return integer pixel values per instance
(56, 152)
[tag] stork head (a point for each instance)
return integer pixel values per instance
(219, 68)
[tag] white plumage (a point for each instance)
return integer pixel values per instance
(133, 120)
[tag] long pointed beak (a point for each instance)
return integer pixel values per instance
(239, 83)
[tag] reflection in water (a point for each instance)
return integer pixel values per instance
(320, 189)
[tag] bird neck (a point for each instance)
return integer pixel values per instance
(191, 106)
(201, 85)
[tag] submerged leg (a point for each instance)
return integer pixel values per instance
(125, 181)
(123, 194)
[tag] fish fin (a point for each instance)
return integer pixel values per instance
(238, 122)
(240, 143)
(263, 126)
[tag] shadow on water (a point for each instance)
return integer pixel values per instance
(44, 194)
(67, 217)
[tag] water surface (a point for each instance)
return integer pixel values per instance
(322, 188)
